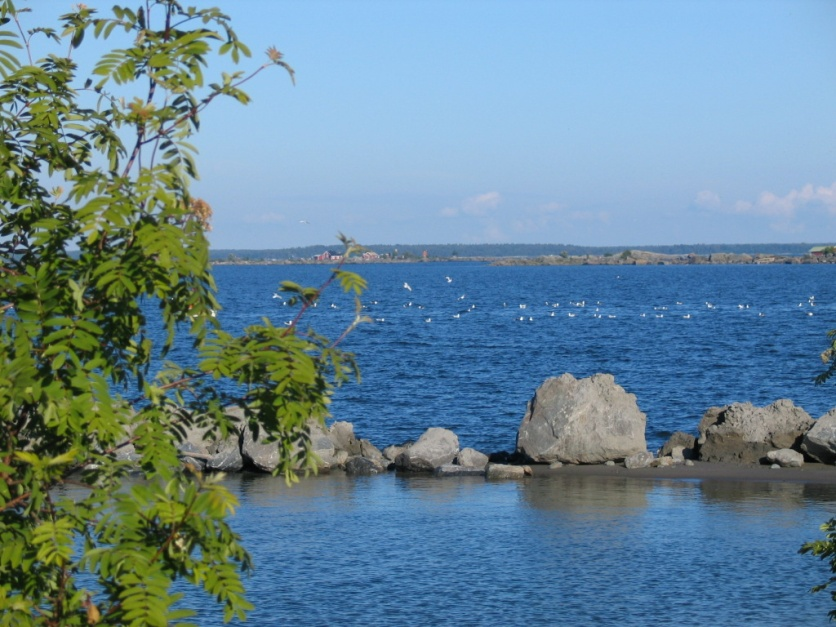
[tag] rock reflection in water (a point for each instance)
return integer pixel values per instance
(401, 550)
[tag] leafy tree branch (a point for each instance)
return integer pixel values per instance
(100, 235)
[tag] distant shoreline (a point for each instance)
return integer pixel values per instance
(634, 258)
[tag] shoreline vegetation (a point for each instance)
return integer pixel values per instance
(530, 255)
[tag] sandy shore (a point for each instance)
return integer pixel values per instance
(809, 473)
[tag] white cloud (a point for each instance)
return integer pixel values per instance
(481, 204)
(474, 206)
(808, 198)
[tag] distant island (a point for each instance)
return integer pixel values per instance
(543, 254)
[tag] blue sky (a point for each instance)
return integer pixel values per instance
(591, 123)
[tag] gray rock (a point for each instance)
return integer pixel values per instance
(680, 439)
(362, 466)
(342, 436)
(127, 453)
(225, 455)
(504, 471)
(639, 460)
(370, 451)
(677, 454)
(581, 421)
(743, 433)
(322, 445)
(193, 455)
(471, 458)
(340, 457)
(820, 441)
(258, 453)
(391, 452)
(455, 470)
(786, 458)
(434, 448)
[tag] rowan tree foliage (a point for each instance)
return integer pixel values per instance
(828, 357)
(826, 549)
(99, 236)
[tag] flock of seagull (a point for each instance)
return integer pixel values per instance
(576, 308)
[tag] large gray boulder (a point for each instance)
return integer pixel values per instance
(257, 453)
(581, 421)
(225, 455)
(820, 441)
(434, 448)
(358, 465)
(323, 446)
(215, 454)
(342, 435)
(744, 434)
(262, 455)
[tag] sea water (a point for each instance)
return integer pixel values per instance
(464, 346)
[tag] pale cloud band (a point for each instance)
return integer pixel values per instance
(479, 205)
(808, 198)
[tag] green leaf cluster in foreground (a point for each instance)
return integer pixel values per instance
(97, 229)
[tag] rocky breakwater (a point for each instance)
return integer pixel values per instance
(568, 421)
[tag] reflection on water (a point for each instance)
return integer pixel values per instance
(397, 550)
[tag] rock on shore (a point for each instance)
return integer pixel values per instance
(743, 433)
(581, 421)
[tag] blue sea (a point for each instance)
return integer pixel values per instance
(464, 345)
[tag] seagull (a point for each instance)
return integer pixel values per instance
(407, 286)
(449, 280)
(303, 222)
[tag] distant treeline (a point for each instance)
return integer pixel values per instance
(464, 251)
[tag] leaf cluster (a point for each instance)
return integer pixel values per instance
(828, 358)
(99, 235)
(825, 550)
